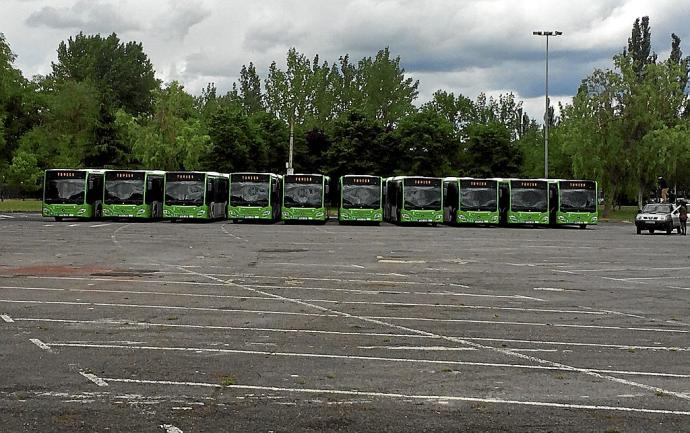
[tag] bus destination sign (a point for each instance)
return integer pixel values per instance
(361, 180)
(477, 183)
(303, 178)
(578, 184)
(423, 181)
(182, 177)
(249, 177)
(528, 184)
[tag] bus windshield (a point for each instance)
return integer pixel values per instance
(185, 189)
(422, 197)
(361, 196)
(529, 200)
(578, 200)
(303, 195)
(124, 188)
(249, 194)
(59, 190)
(478, 199)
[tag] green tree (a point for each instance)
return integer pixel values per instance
(489, 151)
(427, 145)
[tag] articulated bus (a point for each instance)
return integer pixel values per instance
(72, 194)
(133, 194)
(573, 202)
(195, 195)
(304, 197)
(471, 201)
(254, 196)
(361, 199)
(528, 201)
(414, 199)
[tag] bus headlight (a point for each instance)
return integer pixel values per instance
(405, 216)
(140, 211)
(201, 212)
(319, 214)
(266, 212)
(438, 217)
(165, 212)
(82, 210)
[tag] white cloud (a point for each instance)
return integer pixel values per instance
(465, 47)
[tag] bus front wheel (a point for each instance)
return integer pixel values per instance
(58, 219)
(583, 226)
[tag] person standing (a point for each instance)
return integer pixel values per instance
(683, 216)
(663, 187)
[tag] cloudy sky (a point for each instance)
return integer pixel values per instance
(464, 46)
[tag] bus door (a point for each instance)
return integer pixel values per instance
(503, 202)
(154, 195)
(553, 202)
(94, 192)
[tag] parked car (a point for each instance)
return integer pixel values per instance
(658, 216)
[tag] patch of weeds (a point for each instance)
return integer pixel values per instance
(446, 370)
(227, 380)
(612, 430)
(560, 376)
(631, 350)
(386, 340)
(330, 375)
(659, 393)
(300, 381)
(171, 318)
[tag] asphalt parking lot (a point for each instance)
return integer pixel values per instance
(110, 326)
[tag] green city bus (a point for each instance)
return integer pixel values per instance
(361, 199)
(471, 201)
(573, 202)
(133, 194)
(414, 199)
(72, 193)
(195, 195)
(254, 196)
(304, 197)
(528, 201)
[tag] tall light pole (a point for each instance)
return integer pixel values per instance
(546, 92)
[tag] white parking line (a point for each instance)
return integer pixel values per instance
(541, 361)
(93, 378)
(555, 325)
(420, 348)
(99, 225)
(363, 358)
(403, 396)
(165, 307)
(344, 333)
(219, 327)
(6, 318)
(371, 292)
(41, 344)
(7, 216)
(169, 428)
(325, 301)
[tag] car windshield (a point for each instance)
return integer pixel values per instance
(478, 199)
(528, 200)
(657, 208)
(422, 197)
(361, 196)
(124, 191)
(578, 200)
(307, 195)
(65, 191)
(249, 194)
(184, 192)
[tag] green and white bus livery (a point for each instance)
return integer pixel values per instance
(573, 202)
(361, 199)
(133, 194)
(304, 197)
(254, 196)
(473, 201)
(529, 202)
(414, 199)
(72, 193)
(195, 195)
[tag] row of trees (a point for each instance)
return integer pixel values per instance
(101, 106)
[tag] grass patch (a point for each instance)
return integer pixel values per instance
(171, 318)
(13, 205)
(228, 380)
(625, 213)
